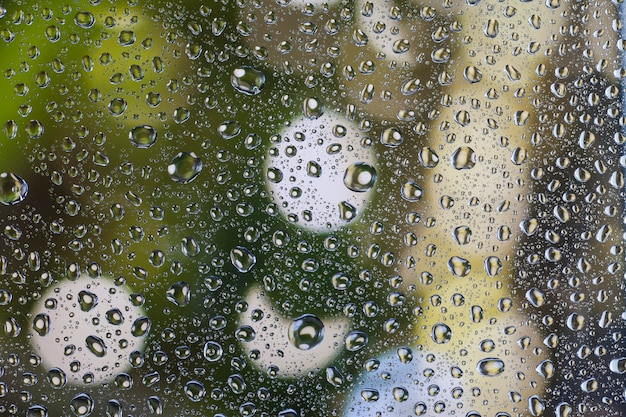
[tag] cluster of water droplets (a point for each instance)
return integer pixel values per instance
(290, 207)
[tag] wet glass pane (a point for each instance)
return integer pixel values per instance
(291, 208)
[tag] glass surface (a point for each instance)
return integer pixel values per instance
(291, 208)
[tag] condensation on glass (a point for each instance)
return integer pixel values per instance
(291, 208)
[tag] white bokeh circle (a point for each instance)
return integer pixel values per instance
(272, 346)
(87, 329)
(308, 169)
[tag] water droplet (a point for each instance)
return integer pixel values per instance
(96, 346)
(117, 106)
(313, 108)
(195, 390)
(536, 297)
(179, 293)
(212, 351)
(143, 136)
(356, 340)
(472, 74)
(360, 177)
(87, 300)
(391, 137)
(126, 37)
(618, 365)
(306, 332)
(56, 378)
(229, 129)
(463, 158)
(141, 327)
(411, 86)
(114, 316)
(334, 377)
(41, 324)
(441, 333)
(242, 259)
(546, 369)
(492, 28)
(84, 19)
(412, 192)
(181, 115)
(247, 80)
(462, 235)
(401, 46)
(460, 267)
(493, 265)
(536, 406)
(184, 167)
(490, 366)
(427, 157)
(13, 188)
(370, 395)
(347, 212)
(82, 405)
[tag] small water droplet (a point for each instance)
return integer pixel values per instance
(306, 332)
(143, 136)
(184, 167)
(247, 80)
(13, 188)
(360, 177)
(490, 366)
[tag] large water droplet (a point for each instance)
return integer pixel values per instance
(179, 293)
(247, 80)
(313, 108)
(360, 177)
(13, 188)
(441, 333)
(84, 19)
(82, 405)
(306, 332)
(412, 192)
(96, 346)
(490, 366)
(195, 390)
(184, 167)
(143, 136)
(41, 324)
(56, 378)
(242, 259)
(460, 267)
(463, 158)
(356, 340)
(212, 351)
